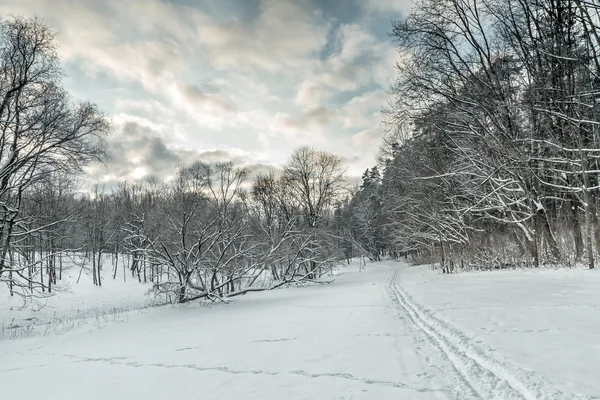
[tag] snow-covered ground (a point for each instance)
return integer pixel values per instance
(545, 320)
(73, 303)
(340, 341)
(389, 332)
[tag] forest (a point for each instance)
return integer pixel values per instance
(491, 160)
(492, 155)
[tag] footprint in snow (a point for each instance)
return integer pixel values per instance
(274, 340)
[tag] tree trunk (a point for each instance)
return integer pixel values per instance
(544, 226)
(576, 227)
(588, 217)
(99, 261)
(94, 279)
(181, 294)
(443, 257)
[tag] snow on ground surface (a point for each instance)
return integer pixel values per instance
(72, 301)
(543, 320)
(389, 332)
(345, 340)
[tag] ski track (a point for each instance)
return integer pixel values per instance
(487, 377)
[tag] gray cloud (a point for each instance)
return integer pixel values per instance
(205, 101)
(320, 115)
(138, 151)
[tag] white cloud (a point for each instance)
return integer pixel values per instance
(145, 108)
(386, 6)
(180, 79)
(352, 66)
(208, 109)
(364, 110)
(285, 37)
(368, 137)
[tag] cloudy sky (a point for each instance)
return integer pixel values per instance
(241, 80)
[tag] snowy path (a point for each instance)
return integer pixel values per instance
(347, 340)
(482, 375)
(523, 334)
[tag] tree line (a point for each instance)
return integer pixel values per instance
(492, 157)
(210, 232)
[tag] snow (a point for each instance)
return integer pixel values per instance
(72, 303)
(518, 322)
(388, 332)
(339, 341)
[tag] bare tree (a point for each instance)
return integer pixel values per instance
(315, 182)
(41, 131)
(506, 92)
